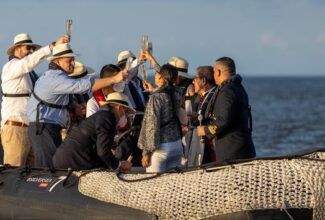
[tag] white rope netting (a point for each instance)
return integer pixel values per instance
(260, 184)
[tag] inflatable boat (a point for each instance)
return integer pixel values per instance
(289, 187)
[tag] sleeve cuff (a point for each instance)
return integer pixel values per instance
(144, 153)
(46, 50)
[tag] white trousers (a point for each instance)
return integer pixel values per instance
(167, 156)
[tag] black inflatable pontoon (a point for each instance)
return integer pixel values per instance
(43, 194)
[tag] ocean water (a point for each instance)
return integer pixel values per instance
(288, 113)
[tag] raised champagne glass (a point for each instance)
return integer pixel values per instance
(68, 27)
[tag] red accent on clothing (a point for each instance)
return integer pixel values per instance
(201, 99)
(99, 96)
(209, 144)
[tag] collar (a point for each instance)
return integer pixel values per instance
(53, 66)
(208, 91)
(234, 79)
(11, 57)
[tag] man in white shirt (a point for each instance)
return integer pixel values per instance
(18, 79)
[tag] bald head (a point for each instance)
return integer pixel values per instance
(224, 68)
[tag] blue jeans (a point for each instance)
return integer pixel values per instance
(167, 156)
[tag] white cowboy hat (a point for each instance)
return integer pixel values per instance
(80, 71)
(124, 55)
(181, 65)
(61, 50)
(119, 99)
(20, 40)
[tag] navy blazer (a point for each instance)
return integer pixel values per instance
(230, 121)
(89, 145)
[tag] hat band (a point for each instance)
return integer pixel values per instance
(118, 101)
(124, 60)
(23, 42)
(81, 75)
(181, 69)
(62, 53)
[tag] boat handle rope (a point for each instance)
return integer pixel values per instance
(156, 175)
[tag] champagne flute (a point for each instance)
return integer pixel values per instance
(144, 42)
(128, 63)
(150, 47)
(188, 110)
(200, 118)
(144, 45)
(68, 27)
(150, 51)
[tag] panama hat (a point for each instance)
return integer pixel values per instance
(119, 99)
(20, 40)
(181, 65)
(124, 55)
(80, 71)
(61, 50)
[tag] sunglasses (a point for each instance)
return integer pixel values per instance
(30, 48)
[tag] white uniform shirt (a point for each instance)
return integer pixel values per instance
(16, 80)
(92, 107)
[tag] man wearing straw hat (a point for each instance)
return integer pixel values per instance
(134, 89)
(18, 80)
(90, 144)
(47, 107)
(184, 80)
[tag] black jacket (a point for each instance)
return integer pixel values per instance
(230, 121)
(89, 145)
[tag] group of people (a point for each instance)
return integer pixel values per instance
(65, 118)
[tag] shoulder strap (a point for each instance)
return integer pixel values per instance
(42, 102)
(33, 76)
(15, 95)
(51, 105)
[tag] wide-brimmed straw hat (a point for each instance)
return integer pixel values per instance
(61, 50)
(81, 70)
(181, 65)
(20, 40)
(119, 99)
(124, 55)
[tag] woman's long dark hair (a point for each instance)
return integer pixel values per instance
(169, 73)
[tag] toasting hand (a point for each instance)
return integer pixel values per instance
(148, 86)
(63, 39)
(121, 76)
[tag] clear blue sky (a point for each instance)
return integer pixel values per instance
(265, 37)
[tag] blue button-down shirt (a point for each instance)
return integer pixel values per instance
(54, 87)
